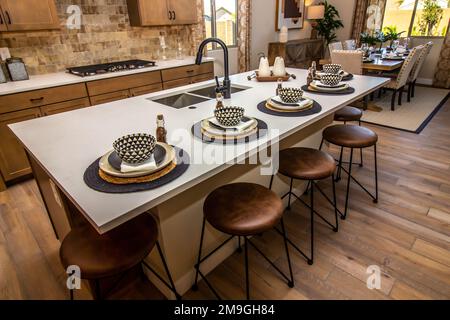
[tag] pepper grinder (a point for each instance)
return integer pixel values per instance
(219, 98)
(309, 79)
(279, 86)
(161, 132)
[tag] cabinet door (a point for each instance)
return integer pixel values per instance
(30, 14)
(183, 11)
(148, 12)
(2, 21)
(145, 89)
(13, 160)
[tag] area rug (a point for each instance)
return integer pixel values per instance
(410, 116)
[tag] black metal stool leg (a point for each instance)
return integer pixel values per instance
(338, 176)
(71, 294)
(247, 281)
(271, 181)
(376, 175)
(290, 193)
(311, 259)
(197, 266)
(348, 182)
(166, 269)
(321, 144)
(335, 205)
(239, 249)
(291, 283)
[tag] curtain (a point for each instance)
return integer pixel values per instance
(442, 75)
(361, 16)
(243, 38)
(359, 19)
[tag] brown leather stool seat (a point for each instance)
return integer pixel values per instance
(306, 164)
(114, 252)
(243, 209)
(348, 114)
(350, 136)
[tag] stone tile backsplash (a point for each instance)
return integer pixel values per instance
(105, 35)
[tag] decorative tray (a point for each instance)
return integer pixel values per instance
(271, 78)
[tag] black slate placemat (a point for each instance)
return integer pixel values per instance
(315, 109)
(349, 90)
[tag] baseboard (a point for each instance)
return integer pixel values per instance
(425, 81)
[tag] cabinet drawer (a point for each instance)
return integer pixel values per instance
(121, 83)
(110, 97)
(187, 71)
(37, 98)
(202, 77)
(13, 160)
(145, 89)
(65, 106)
(176, 83)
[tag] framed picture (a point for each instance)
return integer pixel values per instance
(290, 13)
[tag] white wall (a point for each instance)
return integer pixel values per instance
(218, 63)
(263, 25)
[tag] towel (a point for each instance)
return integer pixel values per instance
(150, 164)
(245, 123)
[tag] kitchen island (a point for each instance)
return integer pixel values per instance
(62, 146)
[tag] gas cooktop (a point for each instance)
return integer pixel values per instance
(96, 69)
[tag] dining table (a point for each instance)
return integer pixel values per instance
(383, 64)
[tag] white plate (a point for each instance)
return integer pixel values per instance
(308, 103)
(107, 168)
(345, 74)
(315, 87)
(320, 84)
(205, 125)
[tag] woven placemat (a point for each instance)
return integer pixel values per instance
(316, 108)
(93, 179)
(149, 178)
(260, 131)
(349, 90)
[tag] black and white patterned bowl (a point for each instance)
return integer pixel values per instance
(332, 68)
(330, 79)
(135, 148)
(229, 116)
(290, 95)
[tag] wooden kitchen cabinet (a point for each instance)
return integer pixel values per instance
(29, 15)
(13, 160)
(162, 12)
(180, 76)
(110, 97)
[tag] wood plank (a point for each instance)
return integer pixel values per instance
(439, 215)
(432, 251)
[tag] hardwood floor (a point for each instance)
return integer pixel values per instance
(407, 234)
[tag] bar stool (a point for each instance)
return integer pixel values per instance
(242, 210)
(308, 165)
(113, 253)
(353, 137)
(348, 114)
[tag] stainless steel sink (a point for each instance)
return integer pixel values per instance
(211, 91)
(181, 100)
(185, 99)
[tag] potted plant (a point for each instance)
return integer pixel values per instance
(327, 26)
(390, 34)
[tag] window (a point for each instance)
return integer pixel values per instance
(426, 18)
(221, 21)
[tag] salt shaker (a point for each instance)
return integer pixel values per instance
(309, 79)
(279, 86)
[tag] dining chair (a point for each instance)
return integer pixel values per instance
(350, 60)
(397, 84)
(350, 44)
(416, 69)
(335, 46)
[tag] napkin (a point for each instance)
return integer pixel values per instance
(280, 104)
(150, 164)
(247, 122)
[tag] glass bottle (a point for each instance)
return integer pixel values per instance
(219, 98)
(279, 86)
(161, 132)
(309, 78)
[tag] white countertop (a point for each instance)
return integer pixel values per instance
(66, 144)
(63, 78)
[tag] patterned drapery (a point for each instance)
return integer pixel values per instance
(360, 16)
(442, 75)
(244, 28)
